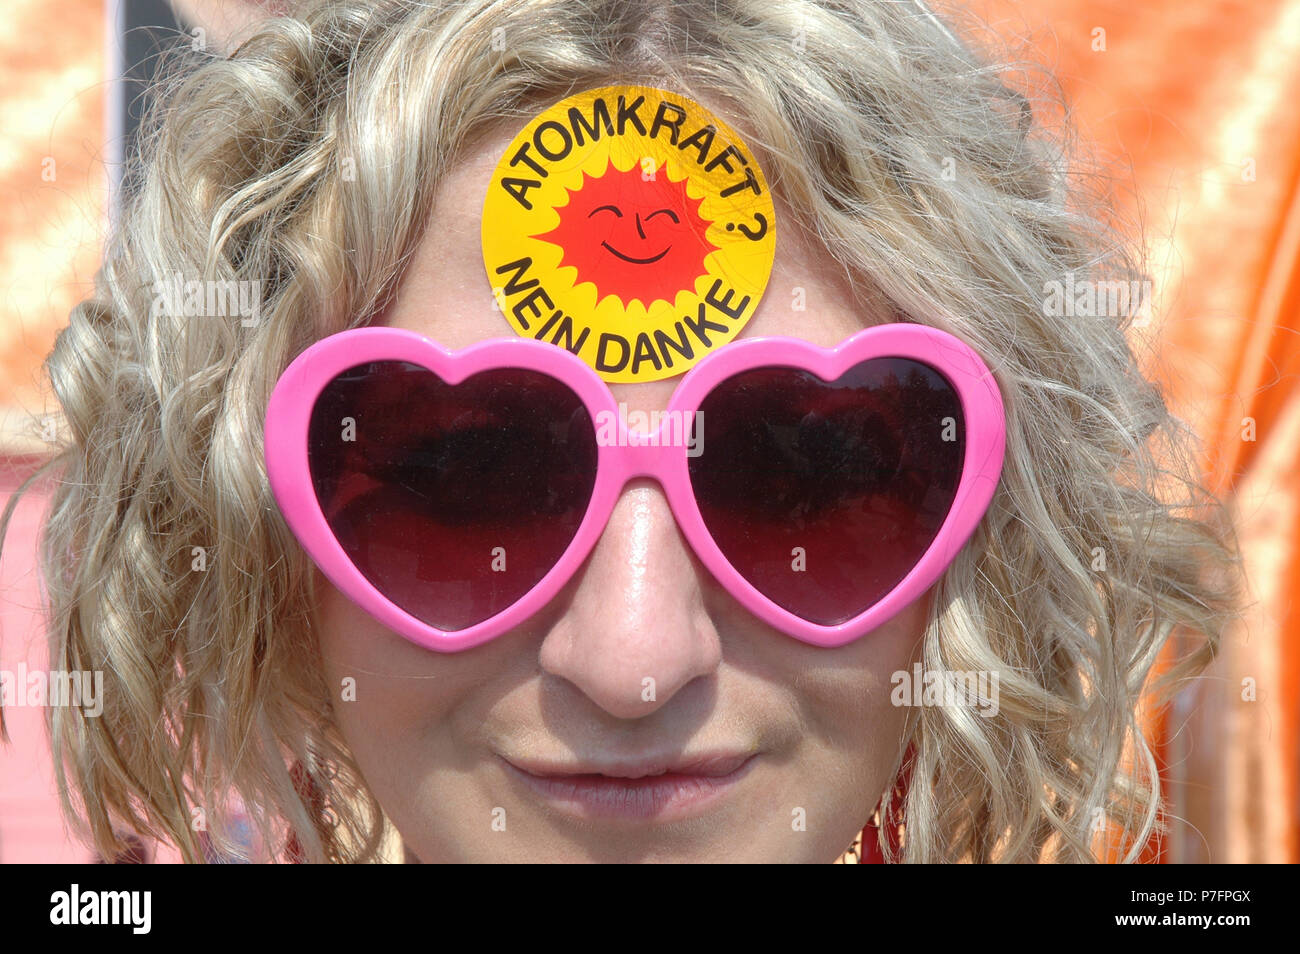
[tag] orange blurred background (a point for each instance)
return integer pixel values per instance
(1191, 103)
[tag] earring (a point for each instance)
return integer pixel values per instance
(852, 855)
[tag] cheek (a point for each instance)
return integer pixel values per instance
(400, 708)
(379, 688)
(845, 702)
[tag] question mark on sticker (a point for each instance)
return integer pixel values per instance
(752, 234)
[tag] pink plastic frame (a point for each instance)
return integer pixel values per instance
(289, 413)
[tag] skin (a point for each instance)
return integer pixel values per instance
(430, 730)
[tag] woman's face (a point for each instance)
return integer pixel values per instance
(539, 745)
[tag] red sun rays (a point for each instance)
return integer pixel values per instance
(640, 239)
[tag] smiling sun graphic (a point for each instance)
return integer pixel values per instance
(636, 237)
(631, 227)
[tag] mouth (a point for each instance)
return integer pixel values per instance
(660, 789)
(636, 261)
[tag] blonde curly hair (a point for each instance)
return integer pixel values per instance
(307, 160)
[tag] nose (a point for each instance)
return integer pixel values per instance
(636, 631)
(639, 229)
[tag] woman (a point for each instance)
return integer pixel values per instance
(336, 164)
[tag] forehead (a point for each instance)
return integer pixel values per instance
(445, 292)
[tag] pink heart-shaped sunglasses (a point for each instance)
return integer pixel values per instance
(452, 494)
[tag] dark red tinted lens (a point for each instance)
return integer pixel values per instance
(452, 501)
(824, 495)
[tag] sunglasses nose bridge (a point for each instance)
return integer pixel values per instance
(630, 461)
(644, 455)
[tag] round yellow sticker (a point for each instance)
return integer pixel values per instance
(632, 227)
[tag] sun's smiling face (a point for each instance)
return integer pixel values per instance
(637, 237)
(640, 231)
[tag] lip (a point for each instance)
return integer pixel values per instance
(665, 790)
(636, 261)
